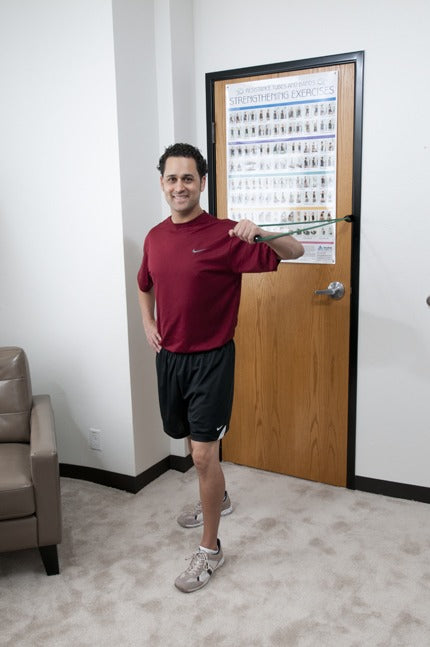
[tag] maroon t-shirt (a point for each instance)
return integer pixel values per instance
(196, 270)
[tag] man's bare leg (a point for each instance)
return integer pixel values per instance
(212, 487)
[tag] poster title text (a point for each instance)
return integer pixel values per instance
(288, 92)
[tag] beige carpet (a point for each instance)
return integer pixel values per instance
(307, 565)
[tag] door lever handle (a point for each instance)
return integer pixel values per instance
(335, 290)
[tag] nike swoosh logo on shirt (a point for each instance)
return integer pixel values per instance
(196, 251)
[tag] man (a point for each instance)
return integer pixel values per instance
(191, 272)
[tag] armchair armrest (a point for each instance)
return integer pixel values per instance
(45, 471)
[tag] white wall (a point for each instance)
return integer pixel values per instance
(62, 258)
(138, 124)
(393, 439)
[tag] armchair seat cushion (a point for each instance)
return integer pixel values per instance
(16, 487)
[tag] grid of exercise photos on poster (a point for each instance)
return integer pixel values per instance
(281, 162)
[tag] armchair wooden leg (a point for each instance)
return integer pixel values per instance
(49, 555)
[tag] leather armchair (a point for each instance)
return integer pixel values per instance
(30, 505)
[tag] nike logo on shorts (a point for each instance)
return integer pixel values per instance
(197, 251)
(222, 429)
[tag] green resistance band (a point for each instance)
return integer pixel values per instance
(319, 223)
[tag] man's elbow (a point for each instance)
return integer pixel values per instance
(295, 252)
(300, 250)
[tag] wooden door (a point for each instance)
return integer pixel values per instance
(290, 411)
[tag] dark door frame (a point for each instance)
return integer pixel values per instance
(357, 58)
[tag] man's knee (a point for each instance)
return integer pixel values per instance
(205, 455)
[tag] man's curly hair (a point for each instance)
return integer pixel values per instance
(184, 150)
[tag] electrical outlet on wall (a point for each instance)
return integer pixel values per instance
(95, 439)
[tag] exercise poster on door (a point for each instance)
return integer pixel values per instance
(281, 158)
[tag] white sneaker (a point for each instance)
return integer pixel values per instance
(201, 567)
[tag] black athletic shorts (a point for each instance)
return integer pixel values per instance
(195, 391)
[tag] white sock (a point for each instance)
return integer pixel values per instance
(209, 551)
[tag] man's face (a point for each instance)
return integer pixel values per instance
(182, 186)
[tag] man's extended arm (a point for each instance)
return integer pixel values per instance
(147, 308)
(286, 248)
